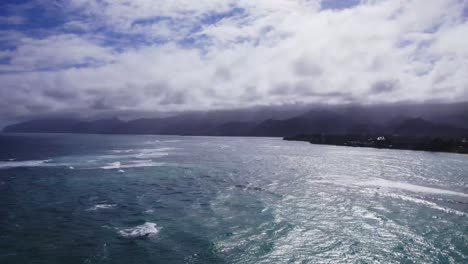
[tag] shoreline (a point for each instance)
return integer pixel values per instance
(429, 144)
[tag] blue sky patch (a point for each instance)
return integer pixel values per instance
(338, 4)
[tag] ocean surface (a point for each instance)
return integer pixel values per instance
(169, 199)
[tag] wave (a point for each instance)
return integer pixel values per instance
(164, 149)
(101, 206)
(386, 184)
(123, 151)
(147, 229)
(145, 150)
(426, 203)
(112, 165)
(152, 141)
(135, 164)
(26, 163)
(157, 152)
(154, 154)
(139, 153)
(142, 164)
(149, 211)
(410, 187)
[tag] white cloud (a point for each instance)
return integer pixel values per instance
(261, 52)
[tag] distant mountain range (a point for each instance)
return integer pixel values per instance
(405, 120)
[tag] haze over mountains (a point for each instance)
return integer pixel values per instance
(431, 120)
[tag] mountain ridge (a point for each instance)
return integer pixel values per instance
(357, 121)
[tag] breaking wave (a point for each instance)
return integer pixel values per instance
(27, 163)
(409, 187)
(102, 206)
(147, 229)
(135, 164)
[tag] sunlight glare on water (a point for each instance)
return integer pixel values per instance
(166, 199)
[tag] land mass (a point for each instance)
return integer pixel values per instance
(421, 127)
(437, 144)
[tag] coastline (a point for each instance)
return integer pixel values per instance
(431, 144)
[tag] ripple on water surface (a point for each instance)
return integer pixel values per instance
(230, 200)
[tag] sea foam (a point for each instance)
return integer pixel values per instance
(112, 165)
(27, 163)
(410, 187)
(426, 203)
(145, 230)
(101, 206)
(135, 164)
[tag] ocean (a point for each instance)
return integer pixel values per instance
(170, 199)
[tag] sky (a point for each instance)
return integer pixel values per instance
(85, 56)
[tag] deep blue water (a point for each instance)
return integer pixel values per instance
(168, 199)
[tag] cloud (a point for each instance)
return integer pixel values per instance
(385, 86)
(177, 55)
(56, 52)
(12, 20)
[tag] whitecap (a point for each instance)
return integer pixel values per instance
(112, 165)
(409, 187)
(154, 154)
(101, 206)
(26, 163)
(152, 141)
(426, 203)
(139, 153)
(122, 150)
(142, 164)
(387, 184)
(161, 149)
(145, 230)
(165, 149)
(135, 164)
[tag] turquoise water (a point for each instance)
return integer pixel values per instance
(169, 199)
